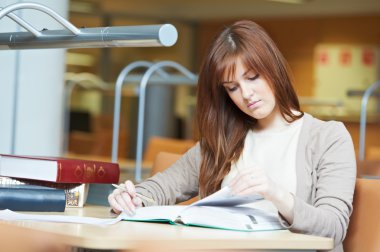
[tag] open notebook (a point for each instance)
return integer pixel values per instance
(220, 210)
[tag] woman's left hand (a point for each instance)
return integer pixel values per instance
(254, 180)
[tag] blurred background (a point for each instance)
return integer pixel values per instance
(332, 46)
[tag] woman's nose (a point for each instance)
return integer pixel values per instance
(246, 91)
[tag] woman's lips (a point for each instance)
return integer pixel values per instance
(252, 104)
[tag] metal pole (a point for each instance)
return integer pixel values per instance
(363, 118)
(72, 37)
(141, 111)
(118, 87)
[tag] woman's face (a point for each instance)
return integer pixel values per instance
(251, 93)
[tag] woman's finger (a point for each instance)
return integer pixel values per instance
(137, 201)
(249, 191)
(244, 185)
(114, 205)
(132, 191)
(130, 188)
(246, 181)
(124, 200)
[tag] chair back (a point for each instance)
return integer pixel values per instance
(364, 229)
(163, 144)
(163, 160)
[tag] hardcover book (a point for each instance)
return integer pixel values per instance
(59, 170)
(76, 194)
(32, 198)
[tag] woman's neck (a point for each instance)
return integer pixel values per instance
(273, 122)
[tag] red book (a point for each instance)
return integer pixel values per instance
(60, 170)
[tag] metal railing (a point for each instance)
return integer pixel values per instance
(163, 78)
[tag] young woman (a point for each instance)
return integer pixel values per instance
(255, 139)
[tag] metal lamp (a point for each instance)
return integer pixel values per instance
(72, 37)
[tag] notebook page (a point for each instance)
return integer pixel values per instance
(152, 213)
(224, 197)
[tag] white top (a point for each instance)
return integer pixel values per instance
(274, 150)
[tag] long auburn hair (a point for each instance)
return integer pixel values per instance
(222, 125)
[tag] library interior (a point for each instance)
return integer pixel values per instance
(108, 89)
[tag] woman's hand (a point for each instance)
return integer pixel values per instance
(254, 180)
(125, 199)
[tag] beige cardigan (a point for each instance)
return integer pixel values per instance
(326, 173)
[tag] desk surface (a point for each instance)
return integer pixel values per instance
(128, 235)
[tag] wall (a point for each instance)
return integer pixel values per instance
(297, 38)
(31, 97)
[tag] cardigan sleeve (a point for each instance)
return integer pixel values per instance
(334, 165)
(177, 183)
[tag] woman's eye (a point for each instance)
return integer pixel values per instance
(254, 77)
(231, 89)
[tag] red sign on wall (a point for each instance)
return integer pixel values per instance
(323, 57)
(368, 57)
(345, 57)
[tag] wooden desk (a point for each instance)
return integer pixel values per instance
(132, 235)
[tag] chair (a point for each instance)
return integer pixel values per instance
(373, 153)
(364, 229)
(164, 160)
(163, 144)
(368, 167)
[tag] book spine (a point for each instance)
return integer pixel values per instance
(82, 171)
(16, 198)
(76, 194)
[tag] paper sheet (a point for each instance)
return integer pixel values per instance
(12, 216)
(224, 198)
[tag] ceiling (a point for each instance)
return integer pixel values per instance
(200, 10)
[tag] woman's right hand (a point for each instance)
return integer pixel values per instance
(125, 199)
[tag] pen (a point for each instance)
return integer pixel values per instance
(138, 194)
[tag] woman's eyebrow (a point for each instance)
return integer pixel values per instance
(230, 82)
(247, 72)
(226, 82)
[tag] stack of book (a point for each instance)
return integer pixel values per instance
(50, 184)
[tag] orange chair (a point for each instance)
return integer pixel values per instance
(364, 229)
(367, 167)
(164, 144)
(164, 160)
